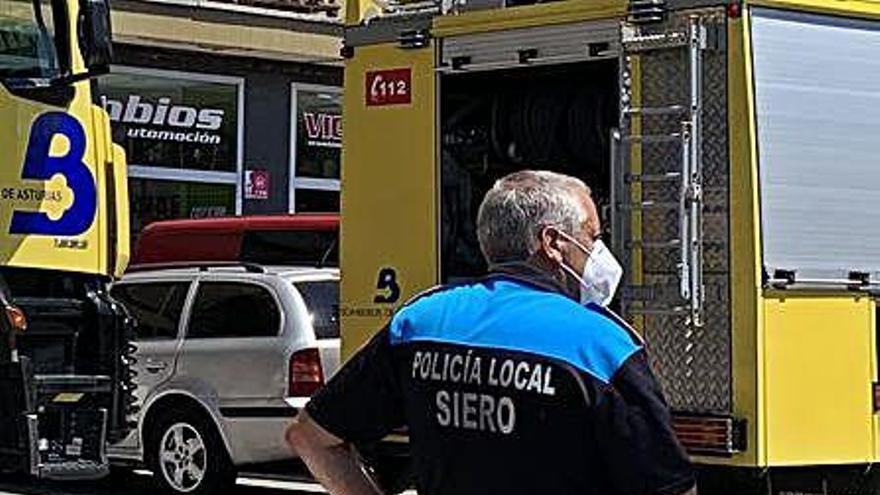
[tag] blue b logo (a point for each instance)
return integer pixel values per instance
(38, 165)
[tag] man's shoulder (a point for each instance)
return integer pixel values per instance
(545, 323)
(591, 338)
(425, 307)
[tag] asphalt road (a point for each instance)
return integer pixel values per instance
(139, 483)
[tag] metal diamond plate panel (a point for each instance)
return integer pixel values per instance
(692, 363)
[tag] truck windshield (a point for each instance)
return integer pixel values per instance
(27, 40)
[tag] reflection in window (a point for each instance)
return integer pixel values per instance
(322, 301)
(316, 201)
(230, 309)
(155, 200)
(173, 122)
(318, 134)
(291, 247)
(27, 40)
(155, 306)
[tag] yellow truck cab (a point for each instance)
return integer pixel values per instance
(65, 385)
(732, 149)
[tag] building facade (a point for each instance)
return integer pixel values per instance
(226, 108)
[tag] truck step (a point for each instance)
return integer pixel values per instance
(74, 470)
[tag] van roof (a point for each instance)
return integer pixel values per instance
(220, 239)
(322, 221)
(294, 272)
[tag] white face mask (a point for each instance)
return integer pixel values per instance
(602, 273)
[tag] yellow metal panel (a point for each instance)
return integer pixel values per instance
(874, 373)
(818, 360)
(53, 195)
(123, 220)
(82, 252)
(542, 14)
(745, 244)
(855, 8)
(389, 190)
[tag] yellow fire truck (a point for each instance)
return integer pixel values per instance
(65, 384)
(733, 150)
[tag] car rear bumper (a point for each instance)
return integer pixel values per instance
(256, 434)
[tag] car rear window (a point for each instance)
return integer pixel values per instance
(322, 300)
(291, 247)
(233, 310)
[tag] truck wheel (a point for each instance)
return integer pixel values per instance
(187, 455)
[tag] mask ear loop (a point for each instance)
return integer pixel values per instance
(571, 271)
(576, 242)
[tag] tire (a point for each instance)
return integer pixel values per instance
(187, 455)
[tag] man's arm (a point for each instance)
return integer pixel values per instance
(361, 404)
(332, 462)
(635, 434)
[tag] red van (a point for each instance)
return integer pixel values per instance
(302, 239)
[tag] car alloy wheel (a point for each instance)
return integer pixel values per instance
(183, 458)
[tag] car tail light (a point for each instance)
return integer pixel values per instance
(306, 376)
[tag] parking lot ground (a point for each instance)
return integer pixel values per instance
(262, 481)
(140, 483)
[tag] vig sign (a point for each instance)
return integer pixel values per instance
(323, 129)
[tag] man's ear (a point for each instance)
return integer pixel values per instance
(551, 244)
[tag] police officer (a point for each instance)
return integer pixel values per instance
(519, 383)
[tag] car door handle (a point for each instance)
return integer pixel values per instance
(155, 366)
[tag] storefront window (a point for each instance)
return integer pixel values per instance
(173, 122)
(154, 200)
(182, 136)
(315, 201)
(317, 148)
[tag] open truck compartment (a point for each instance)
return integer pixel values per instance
(631, 139)
(68, 391)
(494, 123)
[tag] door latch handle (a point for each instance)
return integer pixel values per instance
(155, 366)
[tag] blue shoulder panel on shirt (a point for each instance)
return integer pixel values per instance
(510, 315)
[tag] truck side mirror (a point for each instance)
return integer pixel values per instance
(94, 35)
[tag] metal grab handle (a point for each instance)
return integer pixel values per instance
(684, 262)
(614, 196)
(694, 192)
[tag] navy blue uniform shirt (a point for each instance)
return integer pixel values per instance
(508, 386)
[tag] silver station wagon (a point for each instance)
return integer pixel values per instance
(226, 356)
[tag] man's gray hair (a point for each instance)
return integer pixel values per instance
(520, 205)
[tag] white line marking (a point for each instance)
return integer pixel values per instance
(300, 486)
(281, 485)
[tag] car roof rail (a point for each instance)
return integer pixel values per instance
(201, 265)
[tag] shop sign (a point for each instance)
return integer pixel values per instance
(173, 122)
(323, 129)
(319, 133)
(256, 184)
